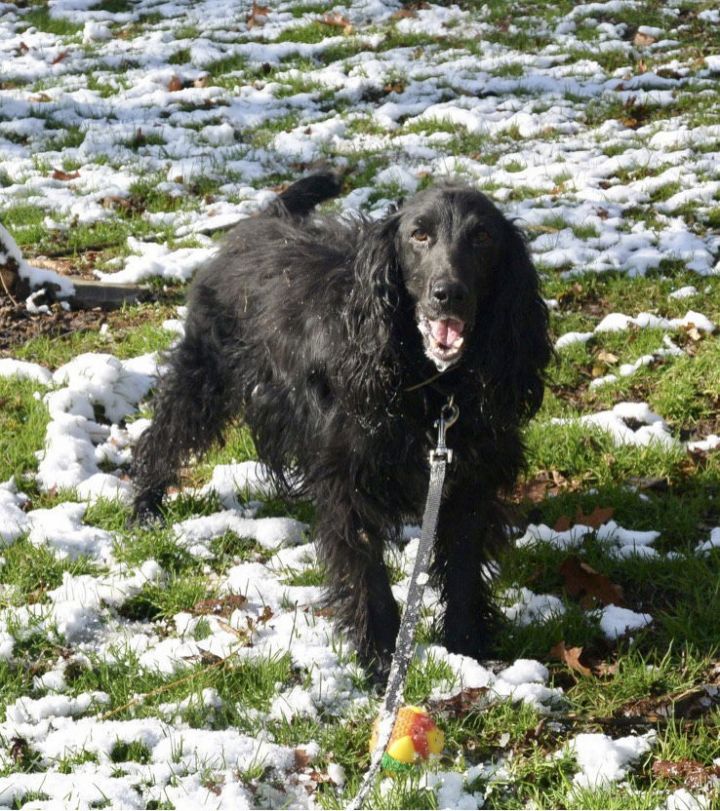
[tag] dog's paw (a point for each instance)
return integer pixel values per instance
(146, 514)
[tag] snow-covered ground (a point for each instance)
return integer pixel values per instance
(135, 92)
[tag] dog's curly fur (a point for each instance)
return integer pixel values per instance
(316, 331)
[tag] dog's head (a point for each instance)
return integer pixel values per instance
(448, 240)
(449, 267)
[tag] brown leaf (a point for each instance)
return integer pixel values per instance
(219, 606)
(570, 657)
(258, 15)
(336, 20)
(607, 357)
(175, 84)
(58, 174)
(641, 40)
(684, 704)
(598, 517)
(266, 615)
(23, 48)
(302, 759)
(59, 58)
(460, 704)
(563, 524)
(605, 668)
(588, 586)
(691, 772)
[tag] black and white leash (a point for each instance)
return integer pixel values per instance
(440, 458)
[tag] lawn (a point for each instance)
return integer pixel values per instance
(190, 666)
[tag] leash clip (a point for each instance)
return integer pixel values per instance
(449, 414)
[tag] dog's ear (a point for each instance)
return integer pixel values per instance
(371, 359)
(515, 348)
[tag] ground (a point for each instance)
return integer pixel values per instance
(190, 666)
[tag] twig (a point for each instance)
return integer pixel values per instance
(162, 689)
(9, 294)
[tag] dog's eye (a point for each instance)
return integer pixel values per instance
(481, 238)
(418, 235)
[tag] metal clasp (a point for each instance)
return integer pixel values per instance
(449, 414)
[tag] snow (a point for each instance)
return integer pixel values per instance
(602, 760)
(25, 371)
(616, 621)
(619, 420)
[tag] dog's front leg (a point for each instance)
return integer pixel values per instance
(469, 532)
(358, 586)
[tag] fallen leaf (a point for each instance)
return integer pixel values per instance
(606, 668)
(23, 48)
(640, 39)
(563, 524)
(219, 606)
(586, 585)
(336, 20)
(691, 772)
(258, 15)
(59, 174)
(302, 759)
(461, 703)
(175, 84)
(59, 58)
(570, 657)
(684, 704)
(607, 357)
(598, 517)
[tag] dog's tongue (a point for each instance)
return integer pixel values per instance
(447, 330)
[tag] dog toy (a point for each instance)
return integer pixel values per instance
(415, 737)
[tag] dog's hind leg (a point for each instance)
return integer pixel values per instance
(191, 407)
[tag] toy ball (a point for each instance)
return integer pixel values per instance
(415, 737)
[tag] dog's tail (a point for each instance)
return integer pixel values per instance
(300, 198)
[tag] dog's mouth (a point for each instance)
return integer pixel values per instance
(443, 338)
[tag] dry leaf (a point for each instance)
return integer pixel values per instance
(302, 759)
(563, 524)
(691, 772)
(175, 84)
(588, 586)
(58, 174)
(460, 704)
(23, 48)
(219, 606)
(338, 21)
(258, 15)
(607, 357)
(641, 40)
(59, 58)
(605, 668)
(570, 657)
(598, 517)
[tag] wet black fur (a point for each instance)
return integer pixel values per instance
(305, 328)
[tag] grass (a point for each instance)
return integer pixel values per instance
(595, 148)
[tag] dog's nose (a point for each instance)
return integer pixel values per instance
(448, 292)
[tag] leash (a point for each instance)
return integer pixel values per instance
(440, 458)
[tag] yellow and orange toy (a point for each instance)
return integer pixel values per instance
(415, 737)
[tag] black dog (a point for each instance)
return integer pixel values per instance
(327, 336)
